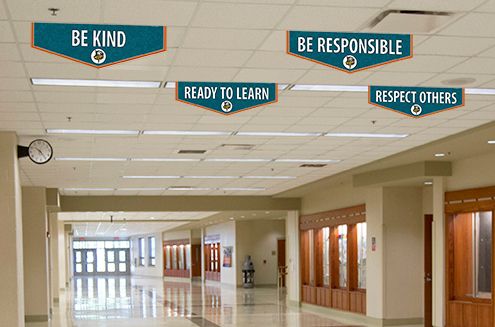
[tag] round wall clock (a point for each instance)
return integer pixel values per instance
(40, 151)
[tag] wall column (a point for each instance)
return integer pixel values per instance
(395, 220)
(438, 252)
(36, 255)
(54, 256)
(293, 279)
(203, 276)
(11, 280)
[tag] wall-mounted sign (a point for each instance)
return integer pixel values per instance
(416, 101)
(226, 98)
(349, 52)
(227, 256)
(98, 45)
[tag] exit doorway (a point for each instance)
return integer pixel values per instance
(101, 257)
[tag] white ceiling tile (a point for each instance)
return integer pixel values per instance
(327, 18)
(61, 70)
(478, 80)
(424, 63)
(392, 78)
(211, 74)
(148, 12)
(474, 24)
(454, 46)
(476, 66)
(272, 59)
(6, 34)
(81, 11)
(232, 39)
(211, 58)
(229, 15)
(439, 5)
(269, 75)
(14, 84)
(332, 77)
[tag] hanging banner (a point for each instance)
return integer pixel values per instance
(98, 45)
(226, 98)
(349, 52)
(416, 101)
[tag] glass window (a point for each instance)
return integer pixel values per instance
(326, 256)
(78, 256)
(151, 251)
(109, 244)
(111, 267)
(122, 267)
(90, 257)
(79, 268)
(174, 257)
(361, 255)
(188, 257)
(100, 260)
(122, 256)
(472, 255)
(89, 267)
(167, 257)
(181, 257)
(342, 241)
(110, 256)
(141, 251)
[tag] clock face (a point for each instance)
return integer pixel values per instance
(40, 151)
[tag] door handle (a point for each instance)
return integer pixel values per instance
(428, 279)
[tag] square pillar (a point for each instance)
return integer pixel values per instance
(36, 254)
(438, 257)
(54, 256)
(11, 274)
(293, 279)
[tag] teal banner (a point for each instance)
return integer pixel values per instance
(226, 98)
(98, 45)
(349, 52)
(416, 101)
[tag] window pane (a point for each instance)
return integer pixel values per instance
(326, 256)
(122, 256)
(109, 244)
(90, 256)
(361, 247)
(342, 231)
(483, 256)
(89, 267)
(78, 256)
(110, 256)
(78, 268)
(188, 257)
(174, 257)
(111, 267)
(100, 244)
(122, 267)
(181, 257)
(100, 260)
(167, 256)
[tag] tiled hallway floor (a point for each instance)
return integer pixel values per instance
(146, 302)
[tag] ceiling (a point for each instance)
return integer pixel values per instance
(231, 41)
(124, 224)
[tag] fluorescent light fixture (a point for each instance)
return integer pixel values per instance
(189, 189)
(367, 135)
(282, 87)
(170, 85)
(236, 160)
(211, 177)
(479, 91)
(94, 83)
(277, 134)
(491, 142)
(165, 159)
(243, 189)
(188, 133)
(133, 189)
(307, 160)
(329, 88)
(89, 159)
(439, 154)
(269, 177)
(151, 177)
(82, 189)
(91, 131)
(428, 183)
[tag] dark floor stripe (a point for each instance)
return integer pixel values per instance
(202, 322)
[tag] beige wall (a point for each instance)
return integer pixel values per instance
(227, 238)
(36, 276)
(54, 261)
(472, 173)
(147, 270)
(258, 238)
(11, 274)
(337, 196)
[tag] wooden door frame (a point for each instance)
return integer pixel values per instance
(428, 261)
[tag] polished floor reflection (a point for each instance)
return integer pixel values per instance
(143, 302)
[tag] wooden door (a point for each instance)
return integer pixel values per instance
(428, 271)
(195, 260)
(281, 257)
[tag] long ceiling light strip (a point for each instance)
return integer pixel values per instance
(95, 83)
(135, 189)
(203, 177)
(236, 160)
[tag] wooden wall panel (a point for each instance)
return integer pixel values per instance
(463, 258)
(469, 315)
(357, 302)
(484, 315)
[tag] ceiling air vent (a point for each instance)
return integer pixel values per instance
(409, 21)
(245, 147)
(191, 151)
(312, 165)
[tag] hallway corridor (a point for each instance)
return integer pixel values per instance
(147, 302)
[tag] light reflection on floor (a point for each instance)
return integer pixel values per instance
(150, 302)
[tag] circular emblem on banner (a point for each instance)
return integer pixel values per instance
(350, 62)
(416, 109)
(98, 56)
(227, 106)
